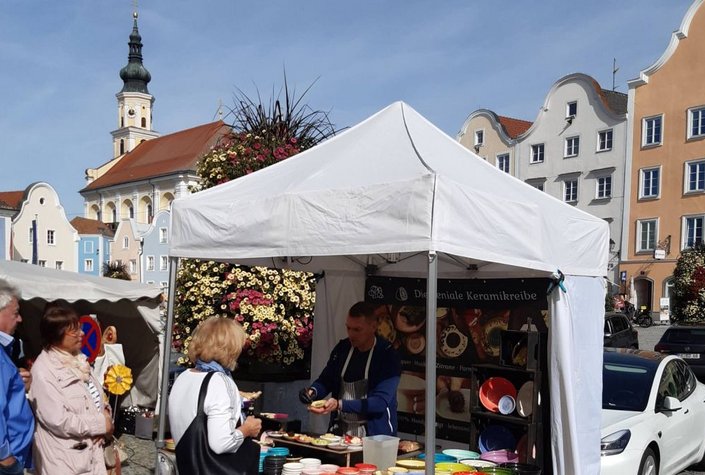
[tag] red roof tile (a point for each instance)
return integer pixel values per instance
(514, 127)
(11, 199)
(164, 155)
(91, 226)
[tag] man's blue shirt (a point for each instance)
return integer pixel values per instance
(16, 418)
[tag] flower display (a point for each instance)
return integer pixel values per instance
(274, 306)
(688, 295)
(118, 379)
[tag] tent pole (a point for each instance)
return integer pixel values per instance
(164, 386)
(430, 409)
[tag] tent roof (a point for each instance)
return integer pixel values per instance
(393, 183)
(52, 284)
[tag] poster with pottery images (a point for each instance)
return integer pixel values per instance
(470, 318)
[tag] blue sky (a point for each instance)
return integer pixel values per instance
(60, 62)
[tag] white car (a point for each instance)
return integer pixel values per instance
(653, 414)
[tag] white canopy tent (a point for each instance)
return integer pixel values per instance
(131, 307)
(397, 195)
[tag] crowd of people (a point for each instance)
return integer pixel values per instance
(55, 419)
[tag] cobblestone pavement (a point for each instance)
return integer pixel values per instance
(142, 453)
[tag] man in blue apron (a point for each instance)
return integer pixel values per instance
(362, 375)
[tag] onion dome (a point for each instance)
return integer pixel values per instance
(135, 76)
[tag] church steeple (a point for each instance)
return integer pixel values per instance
(135, 75)
(134, 100)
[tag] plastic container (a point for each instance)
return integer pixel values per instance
(380, 450)
(439, 457)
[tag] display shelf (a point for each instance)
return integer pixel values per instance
(522, 359)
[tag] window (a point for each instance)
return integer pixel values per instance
(42, 263)
(537, 152)
(604, 140)
(503, 162)
(163, 236)
(60, 265)
(133, 266)
(571, 109)
(650, 183)
(538, 184)
(113, 213)
(131, 212)
(651, 130)
(646, 235)
(693, 231)
(88, 247)
(604, 187)
(572, 146)
(164, 285)
(696, 119)
(88, 265)
(150, 262)
(150, 282)
(126, 242)
(31, 235)
(24, 261)
(479, 137)
(149, 213)
(695, 179)
(570, 191)
(163, 262)
(50, 236)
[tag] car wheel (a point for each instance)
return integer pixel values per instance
(648, 465)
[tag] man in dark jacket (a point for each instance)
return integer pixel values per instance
(362, 375)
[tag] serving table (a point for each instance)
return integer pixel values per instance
(343, 458)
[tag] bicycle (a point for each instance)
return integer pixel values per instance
(643, 319)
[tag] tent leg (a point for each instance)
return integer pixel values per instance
(430, 409)
(164, 386)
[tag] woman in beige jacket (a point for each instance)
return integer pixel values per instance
(69, 404)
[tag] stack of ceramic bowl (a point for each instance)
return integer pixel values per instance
(478, 465)
(411, 465)
(273, 464)
(366, 468)
(348, 471)
(328, 469)
(311, 466)
(292, 468)
(461, 454)
(439, 458)
(498, 395)
(500, 456)
(451, 467)
(496, 437)
(522, 468)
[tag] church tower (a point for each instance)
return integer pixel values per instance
(134, 100)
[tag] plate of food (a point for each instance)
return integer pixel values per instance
(275, 433)
(337, 446)
(320, 442)
(352, 441)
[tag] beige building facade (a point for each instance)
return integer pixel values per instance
(666, 163)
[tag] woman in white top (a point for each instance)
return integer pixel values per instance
(206, 420)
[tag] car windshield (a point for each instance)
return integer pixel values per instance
(684, 335)
(626, 387)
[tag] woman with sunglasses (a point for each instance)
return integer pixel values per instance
(72, 418)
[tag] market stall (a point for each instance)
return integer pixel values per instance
(395, 196)
(132, 308)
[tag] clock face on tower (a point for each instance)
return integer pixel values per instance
(131, 112)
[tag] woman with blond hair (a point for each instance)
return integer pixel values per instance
(211, 434)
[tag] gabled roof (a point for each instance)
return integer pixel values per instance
(514, 127)
(91, 226)
(168, 154)
(11, 199)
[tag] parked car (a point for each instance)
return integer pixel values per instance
(653, 414)
(619, 332)
(688, 342)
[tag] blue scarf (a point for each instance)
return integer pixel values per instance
(212, 366)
